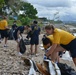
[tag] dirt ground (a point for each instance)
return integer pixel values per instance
(11, 63)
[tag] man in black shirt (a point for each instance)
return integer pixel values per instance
(17, 35)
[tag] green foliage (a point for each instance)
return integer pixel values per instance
(10, 22)
(21, 16)
(16, 6)
(1, 3)
(29, 10)
(25, 20)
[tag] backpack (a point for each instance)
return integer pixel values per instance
(30, 33)
(66, 70)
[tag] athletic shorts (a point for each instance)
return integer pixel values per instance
(4, 33)
(71, 47)
(34, 41)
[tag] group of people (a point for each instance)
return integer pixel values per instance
(57, 40)
(34, 39)
(17, 34)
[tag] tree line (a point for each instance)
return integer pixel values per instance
(18, 8)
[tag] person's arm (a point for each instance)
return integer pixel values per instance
(56, 41)
(7, 27)
(18, 33)
(21, 35)
(53, 47)
(29, 29)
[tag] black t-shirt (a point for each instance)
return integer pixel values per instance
(21, 29)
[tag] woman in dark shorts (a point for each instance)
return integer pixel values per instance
(62, 40)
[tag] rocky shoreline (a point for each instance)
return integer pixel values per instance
(11, 63)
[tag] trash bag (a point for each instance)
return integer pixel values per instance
(27, 41)
(22, 46)
(66, 70)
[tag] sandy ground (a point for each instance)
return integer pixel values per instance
(11, 63)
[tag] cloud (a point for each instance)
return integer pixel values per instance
(52, 3)
(47, 8)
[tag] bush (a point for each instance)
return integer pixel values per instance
(25, 21)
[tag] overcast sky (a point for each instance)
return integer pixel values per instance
(47, 8)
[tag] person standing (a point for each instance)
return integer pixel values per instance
(4, 30)
(35, 29)
(14, 26)
(12, 30)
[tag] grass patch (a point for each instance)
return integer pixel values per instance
(10, 22)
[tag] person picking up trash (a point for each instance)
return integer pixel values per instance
(63, 41)
(18, 33)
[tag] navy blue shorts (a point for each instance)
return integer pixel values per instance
(71, 47)
(34, 41)
(4, 33)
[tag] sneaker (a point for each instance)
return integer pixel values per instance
(36, 55)
(5, 46)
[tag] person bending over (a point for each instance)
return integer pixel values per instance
(18, 33)
(62, 40)
(47, 43)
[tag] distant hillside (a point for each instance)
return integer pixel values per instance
(70, 22)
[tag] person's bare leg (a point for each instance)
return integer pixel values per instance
(59, 48)
(31, 48)
(6, 41)
(74, 60)
(54, 55)
(18, 49)
(58, 58)
(36, 49)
